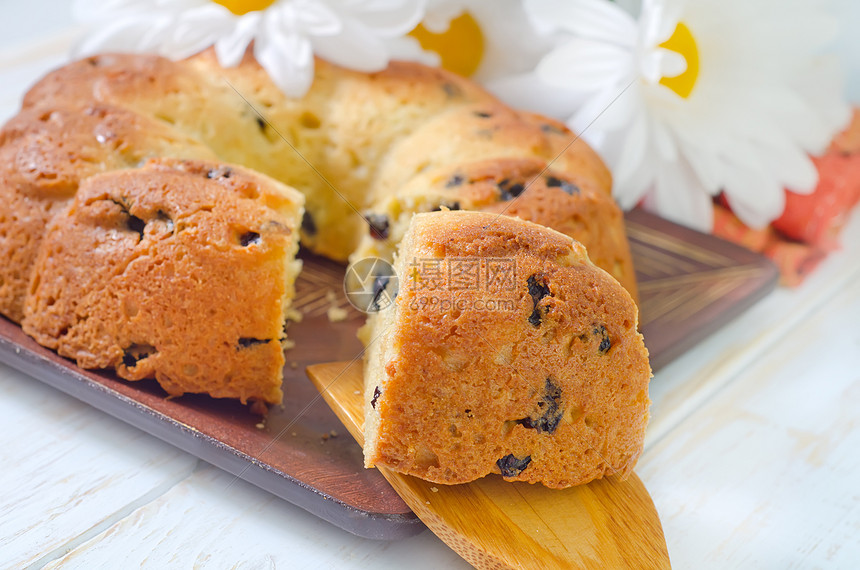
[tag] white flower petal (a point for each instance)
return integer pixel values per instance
(528, 92)
(354, 47)
(666, 64)
(679, 196)
(659, 19)
(93, 10)
(593, 19)
(289, 61)
(707, 167)
(129, 33)
(312, 17)
(387, 18)
(609, 110)
(585, 65)
(199, 28)
(439, 14)
(512, 43)
(231, 49)
(753, 196)
(407, 48)
(791, 166)
(633, 151)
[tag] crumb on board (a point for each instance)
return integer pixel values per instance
(288, 343)
(294, 364)
(260, 425)
(336, 314)
(294, 315)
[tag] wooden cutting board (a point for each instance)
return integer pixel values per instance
(492, 523)
(690, 284)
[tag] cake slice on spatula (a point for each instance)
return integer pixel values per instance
(506, 351)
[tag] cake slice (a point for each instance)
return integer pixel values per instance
(506, 351)
(179, 270)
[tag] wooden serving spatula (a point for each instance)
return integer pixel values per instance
(493, 523)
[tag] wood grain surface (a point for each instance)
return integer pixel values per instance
(492, 523)
(295, 452)
(751, 456)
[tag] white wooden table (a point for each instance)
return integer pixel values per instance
(752, 456)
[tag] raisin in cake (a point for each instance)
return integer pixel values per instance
(182, 271)
(367, 150)
(506, 351)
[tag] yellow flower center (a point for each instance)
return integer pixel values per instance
(683, 42)
(242, 7)
(461, 46)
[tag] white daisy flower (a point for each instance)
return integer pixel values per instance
(286, 34)
(475, 38)
(698, 97)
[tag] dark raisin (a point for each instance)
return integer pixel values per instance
(135, 353)
(605, 342)
(550, 406)
(510, 466)
(378, 225)
(135, 224)
(483, 114)
(452, 90)
(308, 224)
(132, 222)
(509, 190)
(249, 238)
(275, 226)
(221, 172)
(261, 123)
(551, 129)
(538, 289)
(454, 181)
(376, 395)
(247, 342)
(566, 187)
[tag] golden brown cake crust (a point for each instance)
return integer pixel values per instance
(175, 271)
(44, 154)
(549, 384)
(351, 144)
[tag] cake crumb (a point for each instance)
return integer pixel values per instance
(288, 343)
(336, 314)
(434, 489)
(333, 433)
(259, 408)
(294, 364)
(357, 392)
(261, 425)
(294, 315)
